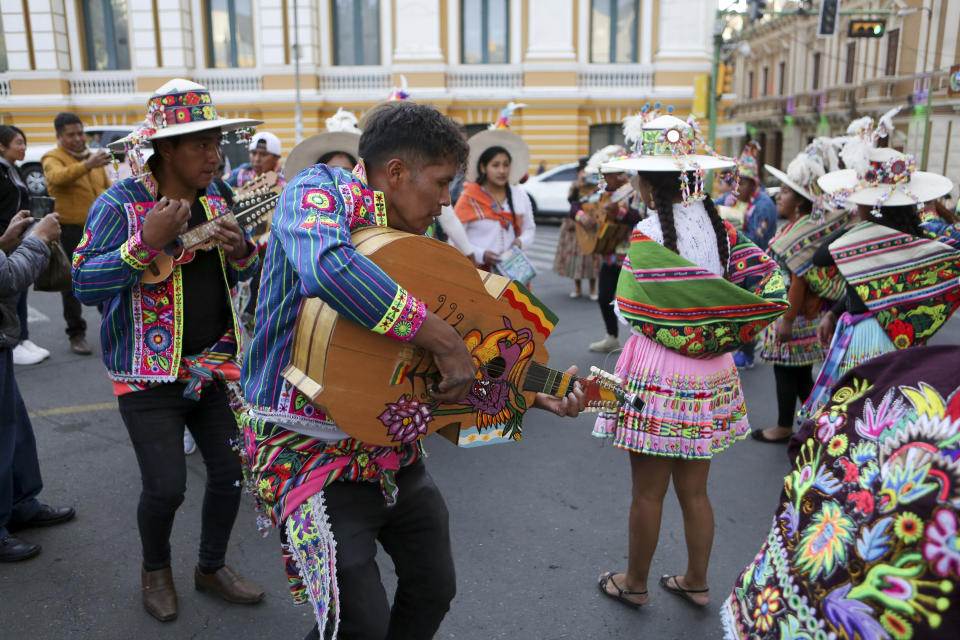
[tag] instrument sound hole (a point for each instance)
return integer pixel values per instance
(496, 367)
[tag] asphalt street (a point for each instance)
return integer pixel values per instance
(533, 523)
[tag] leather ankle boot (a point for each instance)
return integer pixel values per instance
(229, 585)
(159, 594)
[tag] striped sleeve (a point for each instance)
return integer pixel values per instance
(108, 261)
(312, 224)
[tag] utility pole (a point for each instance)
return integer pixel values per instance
(298, 109)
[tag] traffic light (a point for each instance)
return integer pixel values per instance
(724, 78)
(867, 28)
(827, 26)
(755, 9)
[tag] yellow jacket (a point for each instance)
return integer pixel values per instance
(73, 185)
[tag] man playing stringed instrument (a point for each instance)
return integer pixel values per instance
(170, 346)
(317, 483)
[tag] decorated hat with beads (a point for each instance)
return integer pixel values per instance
(177, 108)
(665, 143)
(603, 156)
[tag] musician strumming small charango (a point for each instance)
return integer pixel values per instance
(317, 483)
(169, 347)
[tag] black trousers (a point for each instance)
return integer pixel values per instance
(415, 533)
(793, 384)
(20, 480)
(70, 236)
(606, 292)
(155, 419)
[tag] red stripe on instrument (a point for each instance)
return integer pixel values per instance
(520, 306)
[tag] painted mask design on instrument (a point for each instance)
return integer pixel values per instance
(500, 358)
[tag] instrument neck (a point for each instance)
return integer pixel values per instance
(543, 379)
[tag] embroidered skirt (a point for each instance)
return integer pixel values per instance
(569, 261)
(802, 349)
(856, 340)
(693, 408)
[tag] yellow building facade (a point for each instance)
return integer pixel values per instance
(792, 85)
(580, 66)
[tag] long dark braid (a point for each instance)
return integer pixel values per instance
(903, 218)
(666, 188)
(723, 244)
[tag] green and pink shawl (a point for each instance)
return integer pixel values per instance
(688, 309)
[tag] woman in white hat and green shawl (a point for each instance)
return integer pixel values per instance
(692, 289)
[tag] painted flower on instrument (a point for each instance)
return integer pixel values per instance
(768, 603)
(942, 545)
(908, 527)
(158, 339)
(823, 545)
(406, 419)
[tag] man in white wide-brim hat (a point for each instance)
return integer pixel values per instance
(170, 347)
(338, 146)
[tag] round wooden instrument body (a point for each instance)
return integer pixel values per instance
(377, 389)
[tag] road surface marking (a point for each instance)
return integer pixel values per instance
(77, 408)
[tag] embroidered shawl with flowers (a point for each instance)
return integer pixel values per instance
(910, 284)
(864, 541)
(688, 309)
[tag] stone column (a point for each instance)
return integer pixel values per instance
(417, 46)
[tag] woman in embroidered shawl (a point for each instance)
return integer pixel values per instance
(684, 262)
(901, 278)
(495, 212)
(791, 344)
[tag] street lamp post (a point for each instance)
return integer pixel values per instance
(298, 109)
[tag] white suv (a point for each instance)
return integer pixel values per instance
(548, 191)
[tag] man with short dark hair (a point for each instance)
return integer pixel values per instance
(318, 483)
(75, 177)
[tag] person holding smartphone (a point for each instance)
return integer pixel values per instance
(21, 261)
(15, 197)
(75, 177)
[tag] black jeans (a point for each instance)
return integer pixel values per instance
(155, 419)
(22, 315)
(20, 480)
(415, 533)
(70, 236)
(793, 383)
(606, 292)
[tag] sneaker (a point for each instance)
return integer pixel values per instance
(742, 361)
(32, 346)
(608, 344)
(189, 444)
(23, 355)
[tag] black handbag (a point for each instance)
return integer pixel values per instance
(57, 276)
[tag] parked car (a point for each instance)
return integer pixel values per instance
(548, 191)
(31, 170)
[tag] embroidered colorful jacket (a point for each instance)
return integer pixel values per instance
(141, 330)
(310, 254)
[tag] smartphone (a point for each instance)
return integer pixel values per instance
(41, 206)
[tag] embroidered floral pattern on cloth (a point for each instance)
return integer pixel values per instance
(910, 284)
(864, 543)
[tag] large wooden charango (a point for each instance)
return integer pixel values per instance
(378, 389)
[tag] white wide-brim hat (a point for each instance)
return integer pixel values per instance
(782, 177)
(514, 144)
(178, 108)
(655, 142)
(862, 188)
(309, 151)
